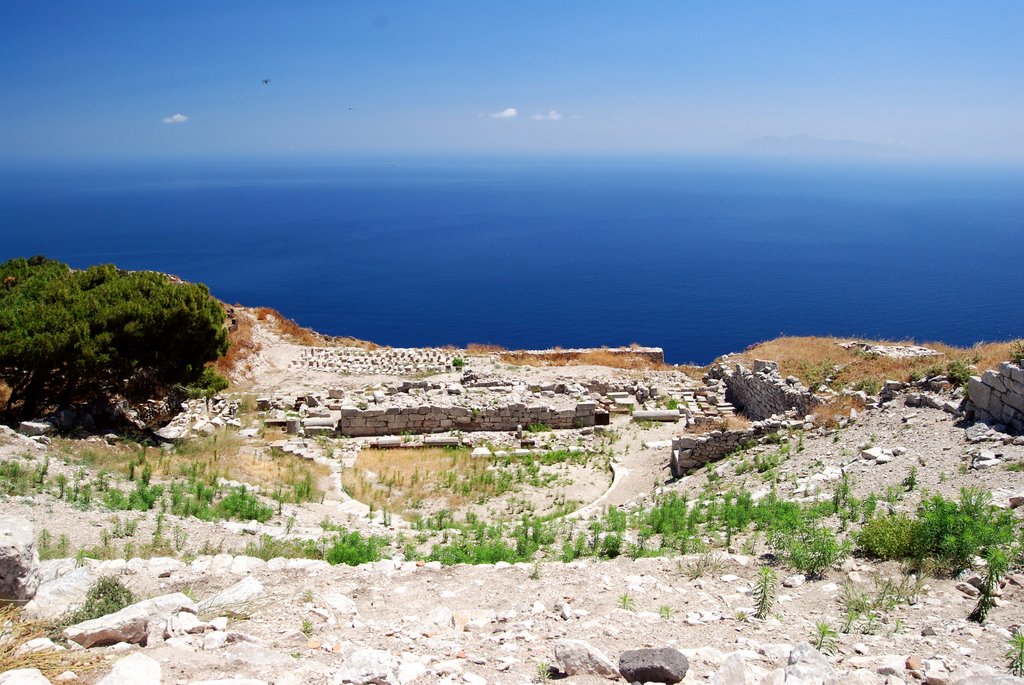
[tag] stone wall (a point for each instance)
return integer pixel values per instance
(762, 393)
(998, 396)
(356, 422)
(693, 451)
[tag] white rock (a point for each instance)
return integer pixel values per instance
(23, 676)
(137, 669)
(19, 560)
(365, 666)
(341, 604)
(575, 657)
(241, 592)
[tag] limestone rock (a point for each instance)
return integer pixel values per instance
(991, 680)
(660, 665)
(23, 676)
(365, 666)
(19, 561)
(58, 596)
(807, 666)
(575, 657)
(137, 669)
(241, 592)
(130, 624)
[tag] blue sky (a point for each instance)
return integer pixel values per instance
(98, 79)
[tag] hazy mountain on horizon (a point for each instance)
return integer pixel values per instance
(803, 145)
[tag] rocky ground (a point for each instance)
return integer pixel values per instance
(410, 621)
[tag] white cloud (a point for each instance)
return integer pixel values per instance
(509, 113)
(550, 116)
(174, 119)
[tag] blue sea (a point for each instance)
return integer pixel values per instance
(699, 256)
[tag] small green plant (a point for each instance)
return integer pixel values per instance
(543, 672)
(307, 627)
(535, 571)
(458, 363)
(997, 567)
(626, 602)
(707, 562)
(910, 482)
(824, 638)
(665, 612)
(765, 591)
(1015, 654)
(307, 597)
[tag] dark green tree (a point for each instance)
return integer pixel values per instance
(69, 336)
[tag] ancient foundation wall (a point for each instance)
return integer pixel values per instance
(655, 355)
(998, 396)
(433, 419)
(693, 451)
(762, 393)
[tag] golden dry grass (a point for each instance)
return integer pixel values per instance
(726, 423)
(599, 357)
(828, 414)
(806, 357)
(221, 455)
(241, 347)
(484, 348)
(15, 631)
(405, 479)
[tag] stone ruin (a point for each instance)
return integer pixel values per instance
(763, 392)
(997, 396)
(388, 360)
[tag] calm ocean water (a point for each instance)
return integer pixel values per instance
(700, 257)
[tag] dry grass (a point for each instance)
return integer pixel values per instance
(808, 357)
(221, 455)
(829, 414)
(726, 423)
(404, 479)
(242, 345)
(484, 348)
(5, 395)
(288, 328)
(599, 357)
(15, 631)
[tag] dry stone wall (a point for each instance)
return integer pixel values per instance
(693, 451)
(997, 396)
(357, 422)
(763, 393)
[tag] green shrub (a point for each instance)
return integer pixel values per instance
(888, 537)
(243, 505)
(107, 595)
(953, 533)
(353, 549)
(958, 372)
(458, 363)
(811, 550)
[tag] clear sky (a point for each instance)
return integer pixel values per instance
(183, 78)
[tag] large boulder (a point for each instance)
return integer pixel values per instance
(366, 666)
(58, 594)
(19, 561)
(131, 624)
(808, 666)
(576, 657)
(137, 669)
(245, 590)
(23, 676)
(659, 665)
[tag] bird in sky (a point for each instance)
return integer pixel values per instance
(266, 82)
